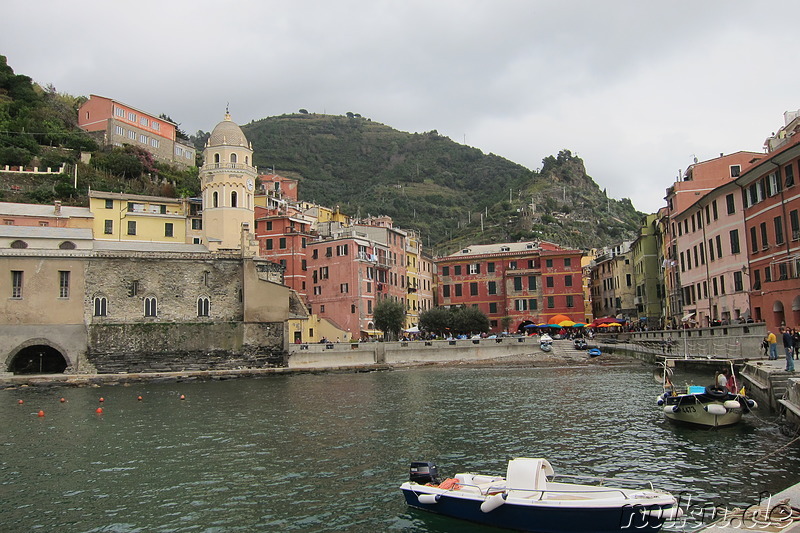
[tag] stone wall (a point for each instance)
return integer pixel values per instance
(165, 347)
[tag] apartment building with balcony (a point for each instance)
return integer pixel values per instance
(527, 282)
(612, 283)
(770, 193)
(114, 123)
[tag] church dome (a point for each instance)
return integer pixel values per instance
(227, 133)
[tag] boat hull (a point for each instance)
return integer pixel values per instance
(546, 518)
(702, 410)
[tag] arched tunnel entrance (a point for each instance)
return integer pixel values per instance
(38, 359)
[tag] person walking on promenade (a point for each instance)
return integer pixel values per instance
(788, 344)
(796, 339)
(772, 340)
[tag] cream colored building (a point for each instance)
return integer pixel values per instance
(227, 183)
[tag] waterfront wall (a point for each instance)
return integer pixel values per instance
(734, 341)
(70, 340)
(335, 355)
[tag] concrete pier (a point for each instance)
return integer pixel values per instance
(774, 514)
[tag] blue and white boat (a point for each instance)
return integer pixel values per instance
(531, 498)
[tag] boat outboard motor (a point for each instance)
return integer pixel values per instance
(423, 472)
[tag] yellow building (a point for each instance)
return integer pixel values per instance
(132, 217)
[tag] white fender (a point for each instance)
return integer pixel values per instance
(428, 498)
(752, 404)
(492, 502)
(659, 400)
(715, 409)
(669, 409)
(673, 513)
(732, 404)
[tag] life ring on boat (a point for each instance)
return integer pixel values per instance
(716, 392)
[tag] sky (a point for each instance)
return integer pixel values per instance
(637, 89)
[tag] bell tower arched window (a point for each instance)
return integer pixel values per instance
(215, 199)
(233, 199)
(216, 158)
(233, 158)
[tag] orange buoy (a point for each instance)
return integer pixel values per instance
(20, 402)
(41, 414)
(183, 397)
(62, 400)
(99, 410)
(139, 398)
(102, 399)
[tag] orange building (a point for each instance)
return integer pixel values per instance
(116, 124)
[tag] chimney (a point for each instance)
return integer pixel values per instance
(58, 208)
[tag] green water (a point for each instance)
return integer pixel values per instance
(327, 452)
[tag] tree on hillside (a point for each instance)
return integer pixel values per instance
(389, 316)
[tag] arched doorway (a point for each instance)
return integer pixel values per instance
(796, 311)
(778, 314)
(38, 359)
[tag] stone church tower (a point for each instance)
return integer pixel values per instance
(227, 183)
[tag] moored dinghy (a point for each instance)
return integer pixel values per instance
(529, 498)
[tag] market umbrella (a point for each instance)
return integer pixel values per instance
(566, 323)
(559, 318)
(614, 325)
(579, 325)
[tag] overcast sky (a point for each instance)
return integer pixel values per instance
(636, 88)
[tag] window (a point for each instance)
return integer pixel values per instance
(131, 116)
(155, 125)
(753, 240)
(567, 262)
(531, 283)
(568, 281)
(735, 170)
(63, 283)
(119, 112)
(738, 282)
(473, 288)
(445, 291)
(764, 240)
(168, 229)
(215, 199)
(234, 199)
(722, 284)
(150, 306)
(108, 227)
(19, 245)
(475, 269)
(794, 222)
(144, 122)
(489, 267)
(756, 280)
(133, 289)
(730, 203)
(492, 287)
(282, 243)
(719, 245)
(551, 302)
(548, 263)
(143, 139)
(16, 283)
(197, 223)
(570, 301)
(154, 143)
(131, 135)
(714, 209)
(445, 271)
(131, 227)
(493, 307)
(457, 270)
(512, 265)
(735, 249)
(100, 306)
(789, 171)
(517, 283)
(341, 250)
(767, 274)
(778, 221)
(458, 289)
(549, 281)
(773, 184)
(203, 306)
(268, 243)
(119, 130)
(533, 304)
(520, 305)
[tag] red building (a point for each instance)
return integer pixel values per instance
(771, 198)
(530, 282)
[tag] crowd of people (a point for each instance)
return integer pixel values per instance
(791, 342)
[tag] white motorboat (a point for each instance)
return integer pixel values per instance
(532, 498)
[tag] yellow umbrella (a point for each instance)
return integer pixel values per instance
(566, 323)
(614, 325)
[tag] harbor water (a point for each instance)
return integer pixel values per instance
(328, 451)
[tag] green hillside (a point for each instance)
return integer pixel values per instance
(451, 193)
